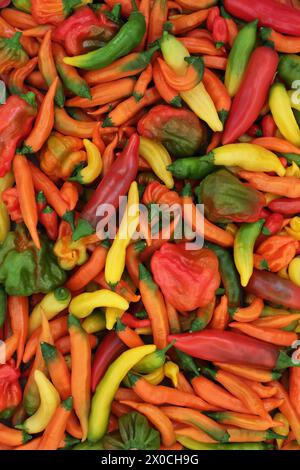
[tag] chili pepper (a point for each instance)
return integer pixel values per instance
(23, 5)
(192, 444)
(16, 117)
(283, 429)
(243, 420)
(215, 62)
(11, 393)
(81, 372)
(243, 249)
(282, 18)
(220, 317)
(107, 388)
(285, 186)
(171, 371)
(256, 83)
(270, 335)
(95, 322)
(153, 361)
(201, 45)
(19, 312)
(158, 158)
(129, 337)
(56, 11)
(54, 432)
(220, 32)
(48, 218)
(168, 93)
(203, 316)
(89, 270)
(63, 344)
(132, 260)
(83, 304)
(128, 37)
(276, 252)
(93, 169)
(288, 409)
(272, 226)
(196, 4)
(19, 75)
(191, 168)
(12, 53)
(192, 77)
(157, 18)
(58, 369)
(250, 313)
(185, 23)
(218, 93)
(116, 182)
(6, 183)
(51, 305)
(268, 126)
(13, 437)
(277, 145)
(288, 68)
(282, 113)
(213, 14)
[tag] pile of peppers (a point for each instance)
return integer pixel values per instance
(133, 339)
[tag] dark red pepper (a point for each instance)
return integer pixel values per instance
(285, 206)
(254, 131)
(220, 32)
(252, 93)
(268, 126)
(49, 220)
(108, 350)
(116, 182)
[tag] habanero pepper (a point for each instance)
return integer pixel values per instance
(275, 253)
(116, 182)
(252, 93)
(16, 118)
(10, 390)
(12, 54)
(53, 12)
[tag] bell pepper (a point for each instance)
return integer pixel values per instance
(51, 305)
(226, 199)
(106, 390)
(10, 390)
(16, 118)
(12, 54)
(128, 38)
(54, 11)
(158, 158)
(289, 68)
(281, 110)
(93, 169)
(252, 93)
(116, 182)
(178, 130)
(247, 156)
(283, 18)
(6, 182)
(83, 304)
(275, 253)
(243, 249)
(239, 56)
(182, 275)
(83, 29)
(25, 270)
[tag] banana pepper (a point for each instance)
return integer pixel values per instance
(293, 170)
(83, 304)
(94, 322)
(294, 271)
(108, 386)
(115, 261)
(88, 174)
(51, 305)
(155, 377)
(158, 158)
(6, 182)
(111, 316)
(172, 370)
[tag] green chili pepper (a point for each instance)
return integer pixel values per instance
(23, 5)
(187, 363)
(192, 167)
(239, 57)
(153, 361)
(3, 305)
(243, 249)
(128, 38)
(229, 275)
(203, 318)
(289, 68)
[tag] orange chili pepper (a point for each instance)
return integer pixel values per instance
(19, 313)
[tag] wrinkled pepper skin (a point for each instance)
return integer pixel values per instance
(10, 390)
(289, 68)
(52, 11)
(187, 278)
(178, 130)
(25, 270)
(12, 54)
(226, 199)
(16, 118)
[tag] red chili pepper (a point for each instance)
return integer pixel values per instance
(271, 287)
(268, 126)
(10, 390)
(230, 347)
(116, 182)
(16, 118)
(11, 200)
(212, 15)
(220, 32)
(252, 94)
(283, 18)
(254, 131)
(285, 206)
(49, 220)
(275, 253)
(108, 350)
(129, 320)
(41, 201)
(272, 226)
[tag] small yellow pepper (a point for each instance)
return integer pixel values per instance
(281, 109)
(6, 182)
(293, 170)
(94, 322)
(294, 271)
(115, 261)
(294, 228)
(174, 53)
(283, 430)
(52, 304)
(155, 377)
(111, 316)
(89, 173)
(49, 402)
(70, 253)
(158, 158)
(171, 371)
(83, 304)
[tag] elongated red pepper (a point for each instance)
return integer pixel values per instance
(268, 126)
(220, 32)
(108, 350)
(273, 288)
(285, 206)
(272, 226)
(116, 182)
(49, 220)
(129, 320)
(252, 93)
(283, 18)
(226, 346)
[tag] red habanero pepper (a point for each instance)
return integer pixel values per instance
(108, 350)
(10, 390)
(220, 32)
(234, 348)
(285, 206)
(11, 200)
(283, 18)
(116, 182)
(252, 93)
(275, 253)
(16, 118)
(125, 4)
(213, 14)
(268, 126)
(271, 287)
(49, 220)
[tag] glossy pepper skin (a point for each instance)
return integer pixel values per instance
(178, 130)
(12, 54)
(226, 199)
(275, 289)
(10, 390)
(25, 270)
(16, 118)
(187, 278)
(283, 18)
(252, 93)
(128, 38)
(116, 182)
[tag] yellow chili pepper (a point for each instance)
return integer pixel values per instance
(111, 316)
(293, 170)
(294, 228)
(70, 253)
(93, 169)
(171, 371)
(108, 386)
(115, 261)
(280, 106)
(146, 330)
(94, 322)
(49, 402)
(247, 156)
(83, 304)
(158, 158)
(155, 377)
(6, 182)
(283, 429)
(52, 304)
(294, 271)
(174, 53)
